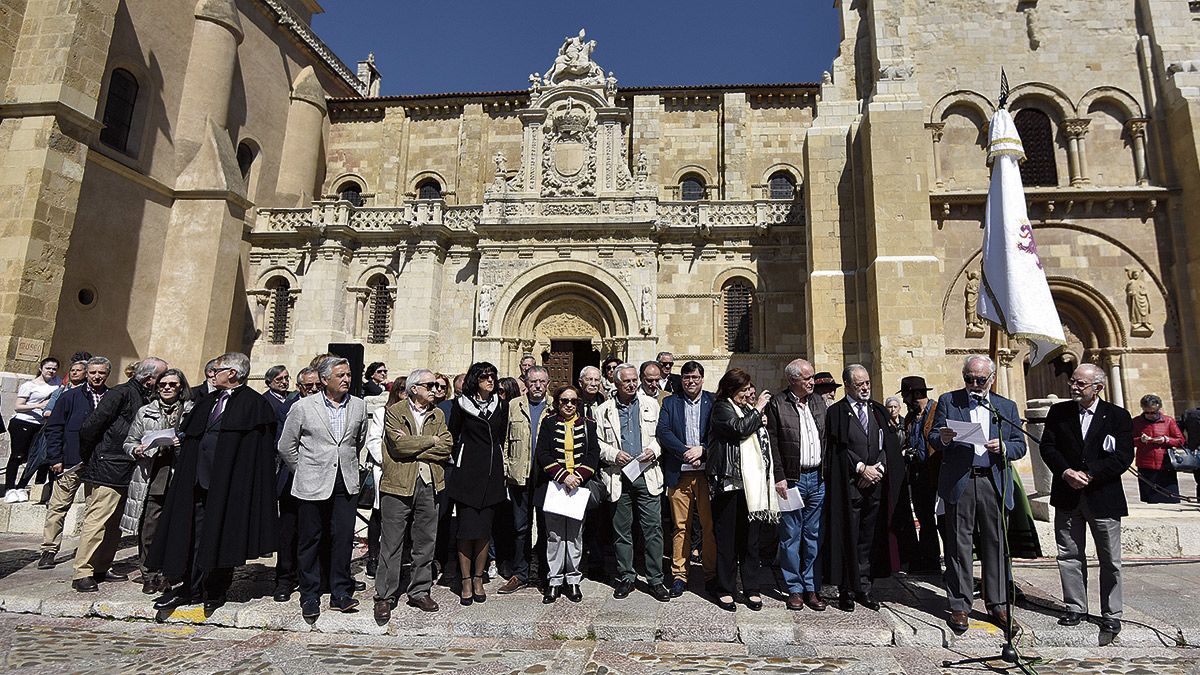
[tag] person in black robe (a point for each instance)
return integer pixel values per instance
(220, 506)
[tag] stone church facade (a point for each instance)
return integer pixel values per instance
(279, 204)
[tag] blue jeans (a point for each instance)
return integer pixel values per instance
(799, 535)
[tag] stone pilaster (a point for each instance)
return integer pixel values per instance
(735, 160)
(50, 99)
(301, 152)
(324, 311)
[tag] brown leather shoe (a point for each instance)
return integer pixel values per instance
(957, 621)
(999, 617)
(424, 603)
(795, 601)
(814, 601)
(511, 586)
(383, 611)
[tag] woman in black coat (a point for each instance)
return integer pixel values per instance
(737, 459)
(479, 424)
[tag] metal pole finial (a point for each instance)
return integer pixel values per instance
(1003, 89)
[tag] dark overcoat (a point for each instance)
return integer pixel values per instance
(478, 455)
(838, 468)
(241, 513)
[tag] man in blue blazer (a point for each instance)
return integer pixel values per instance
(970, 486)
(682, 430)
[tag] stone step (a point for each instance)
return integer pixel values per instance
(30, 518)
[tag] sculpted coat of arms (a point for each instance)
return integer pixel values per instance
(569, 154)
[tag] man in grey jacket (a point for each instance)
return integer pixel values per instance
(321, 442)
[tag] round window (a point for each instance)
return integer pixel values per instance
(87, 296)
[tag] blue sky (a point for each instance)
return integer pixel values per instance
(473, 45)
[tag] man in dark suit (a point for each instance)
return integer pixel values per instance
(856, 459)
(672, 382)
(1088, 444)
(796, 426)
(208, 386)
(682, 431)
(970, 483)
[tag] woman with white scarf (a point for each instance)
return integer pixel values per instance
(738, 462)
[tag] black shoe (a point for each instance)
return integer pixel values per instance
(283, 593)
(728, 606)
(372, 565)
(867, 601)
(573, 593)
(111, 576)
(660, 593)
(343, 604)
(1070, 618)
(677, 588)
(753, 605)
(1112, 626)
(151, 584)
(359, 586)
(85, 585)
(214, 603)
(310, 609)
(47, 560)
(846, 602)
(173, 600)
(623, 589)
(551, 594)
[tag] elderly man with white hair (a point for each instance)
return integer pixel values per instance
(971, 484)
(416, 450)
(1088, 444)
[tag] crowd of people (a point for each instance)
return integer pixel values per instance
(478, 478)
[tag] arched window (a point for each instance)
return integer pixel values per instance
(118, 109)
(691, 187)
(429, 189)
(350, 191)
(246, 155)
(782, 185)
(1037, 136)
(737, 297)
(281, 306)
(379, 310)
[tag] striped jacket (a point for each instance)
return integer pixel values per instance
(552, 457)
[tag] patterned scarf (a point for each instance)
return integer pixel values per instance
(569, 443)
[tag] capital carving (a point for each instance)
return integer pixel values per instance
(936, 129)
(1137, 127)
(1077, 128)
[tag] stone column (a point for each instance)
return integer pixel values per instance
(320, 316)
(735, 177)
(208, 80)
(1112, 362)
(1137, 133)
(936, 129)
(1036, 411)
(50, 99)
(299, 160)
(1076, 151)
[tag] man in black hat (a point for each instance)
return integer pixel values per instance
(923, 464)
(825, 386)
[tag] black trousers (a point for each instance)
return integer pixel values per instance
(285, 562)
(374, 532)
(337, 513)
(737, 543)
(923, 488)
(208, 584)
(20, 437)
(862, 514)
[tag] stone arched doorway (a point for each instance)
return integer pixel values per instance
(567, 314)
(1094, 335)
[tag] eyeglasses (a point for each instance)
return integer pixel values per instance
(568, 401)
(689, 378)
(666, 364)
(1081, 384)
(976, 380)
(172, 385)
(282, 378)
(381, 370)
(310, 385)
(608, 368)
(431, 385)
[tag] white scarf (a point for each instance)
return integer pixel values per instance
(762, 502)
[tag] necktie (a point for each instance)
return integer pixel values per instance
(219, 408)
(862, 416)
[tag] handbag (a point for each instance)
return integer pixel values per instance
(366, 491)
(1184, 459)
(597, 492)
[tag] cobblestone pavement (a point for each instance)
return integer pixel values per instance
(54, 645)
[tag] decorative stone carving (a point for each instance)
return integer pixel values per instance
(574, 62)
(975, 325)
(896, 72)
(647, 310)
(826, 78)
(610, 85)
(569, 150)
(1137, 295)
(568, 324)
(1076, 128)
(487, 303)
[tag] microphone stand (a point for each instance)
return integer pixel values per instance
(1008, 653)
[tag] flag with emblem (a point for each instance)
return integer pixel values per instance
(1014, 294)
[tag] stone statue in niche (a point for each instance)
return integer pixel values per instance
(647, 310)
(975, 325)
(501, 163)
(487, 303)
(1137, 295)
(574, 61)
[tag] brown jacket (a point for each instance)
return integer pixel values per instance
(406, 449)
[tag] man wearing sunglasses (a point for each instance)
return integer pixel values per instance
(971, 483)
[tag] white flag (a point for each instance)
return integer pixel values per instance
(1014, 293)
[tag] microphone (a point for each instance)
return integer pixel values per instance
(981, 399)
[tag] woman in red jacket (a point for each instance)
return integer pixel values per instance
(1153, 434)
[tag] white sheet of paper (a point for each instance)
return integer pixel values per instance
(792, 501)
(634, 469)
(572, 505)
(971, 433)
(157, 439)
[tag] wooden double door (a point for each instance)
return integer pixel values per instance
(566, 358)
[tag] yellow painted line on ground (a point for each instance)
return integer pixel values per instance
(177, 631)
(991, 628)
(195, 615)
